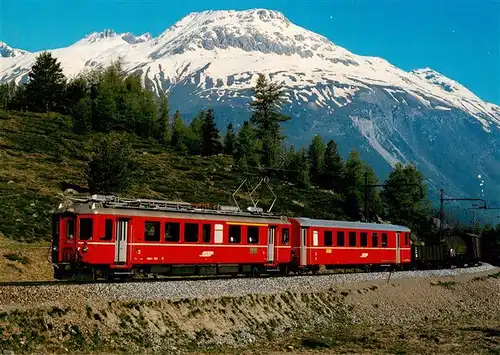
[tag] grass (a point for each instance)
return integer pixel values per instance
(40, 157)
(17, 257)
(445, 284)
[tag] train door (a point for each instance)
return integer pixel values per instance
(303, 247)
(398, 254)
(122, 232)
(271, 244)
(68, 238)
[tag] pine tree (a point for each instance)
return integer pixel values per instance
(4, 96)
(148, 117)
(164, 124)
(46, 84)
(210, 135)
(353, 183)
(405, 204)
(105, 110)
(298, 164)
(267, 119)
(375, 207)
(195, 134)
(179, 134)
(334, 168)
(76, 90)
(316, 158)
(230, 141)
(82, 116)
(246, 147)
(112, 166)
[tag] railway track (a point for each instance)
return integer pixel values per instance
(191, 278)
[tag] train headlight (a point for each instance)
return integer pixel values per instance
(85, 249)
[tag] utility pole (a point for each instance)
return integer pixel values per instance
(441, 208)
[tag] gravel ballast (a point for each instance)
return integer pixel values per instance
(15, 296)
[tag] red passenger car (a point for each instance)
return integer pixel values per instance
(339, 243)
(105, 236)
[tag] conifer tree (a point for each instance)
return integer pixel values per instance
(179, 133)
(375, 207)
(267, 119)
(195, 134)
(210, 135)
(4, 96)
(334, 168)
(76, 90)
(112, 165)
(353, 183)
(164, 124)
(105, 111)
(230, 140)
(82, 116)
(46, 84)
(316, 158)
(405, 204)
(246, 148)
(298, 164)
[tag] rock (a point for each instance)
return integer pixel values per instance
(70, 191)
(10, 182)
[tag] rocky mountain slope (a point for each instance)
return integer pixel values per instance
(212, 59)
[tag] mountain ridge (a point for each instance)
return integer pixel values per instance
(213, 57)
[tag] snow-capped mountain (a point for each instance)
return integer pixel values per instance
(212, 59)
(8, 51)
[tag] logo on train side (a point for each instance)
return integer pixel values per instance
(207, 254)
(364, 255)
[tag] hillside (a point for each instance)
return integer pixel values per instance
(212, 59)
(40, 157)
(342, 314)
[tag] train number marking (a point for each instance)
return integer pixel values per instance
(207, 254)
(364, 255)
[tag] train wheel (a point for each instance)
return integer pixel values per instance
(255, 272)
(284, 270)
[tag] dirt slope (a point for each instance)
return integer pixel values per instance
(418, 316)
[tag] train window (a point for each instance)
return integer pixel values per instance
(328, 237)
(285, 236)
(108, 230)
(207, 229)
(384, 240)
(340, 239)
(191, 232)
(152, 231)
(375, 240)
(352, 239)
(172, 232)
(407, 239)
(86, 227)
(234, 234)
(70, 228)
(253, 235)
(363, 239)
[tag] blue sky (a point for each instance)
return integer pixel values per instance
(460, 39)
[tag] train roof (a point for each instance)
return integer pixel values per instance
(110, 205)
(307, 222)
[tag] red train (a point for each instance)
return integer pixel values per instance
(105, 237)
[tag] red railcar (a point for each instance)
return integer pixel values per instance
(113, 237)
(105, 236)
(340, 243)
